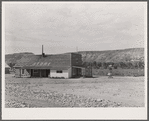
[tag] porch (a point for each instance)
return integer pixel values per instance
(40, 72)
(78, 71)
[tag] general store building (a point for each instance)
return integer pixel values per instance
(66, 65)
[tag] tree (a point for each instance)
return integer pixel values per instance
(94, 64)
(129, 65)
(11, 65)
(141, 64)
(127, 58)
(99, 64)
(122, 65)
(115, 65)
(104, 65)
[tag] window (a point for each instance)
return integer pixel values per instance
(35, 71)
(22, 71)
(59, 71)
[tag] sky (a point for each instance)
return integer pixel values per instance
(65, 26)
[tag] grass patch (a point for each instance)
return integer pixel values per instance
(119, 72)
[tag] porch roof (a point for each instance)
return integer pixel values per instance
(47, 67)
(82, 67)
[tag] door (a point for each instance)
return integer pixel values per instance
(47, 72)
(31, 72)
(43, 73)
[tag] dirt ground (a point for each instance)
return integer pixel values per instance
(80, 92)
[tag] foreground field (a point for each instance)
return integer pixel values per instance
(81, 92)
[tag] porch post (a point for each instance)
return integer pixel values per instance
(20, 72)
(40, 72)
(91, 70)
(83, 72)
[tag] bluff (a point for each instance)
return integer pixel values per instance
(125, 55)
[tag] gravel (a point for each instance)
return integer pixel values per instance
(23, 96)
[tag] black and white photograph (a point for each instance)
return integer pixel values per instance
(74, 58)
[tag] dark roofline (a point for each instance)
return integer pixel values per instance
(59, 54)
(45, 67)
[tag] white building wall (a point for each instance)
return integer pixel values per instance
(70, 72)
(65, 73)
(17, 72)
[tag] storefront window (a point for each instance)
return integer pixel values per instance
(60, 71)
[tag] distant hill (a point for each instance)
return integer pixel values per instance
(13, 58)
(125, 55)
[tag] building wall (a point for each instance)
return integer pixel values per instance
(65, 73)
(18, 72)
(70, 72)
(76, 72)
(76, 59)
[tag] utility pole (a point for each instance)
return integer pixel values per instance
(77, 49)
(42, 49)
(91, 69)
